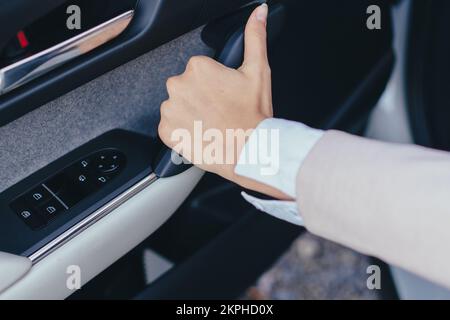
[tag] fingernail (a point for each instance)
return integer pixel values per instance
(262, 12)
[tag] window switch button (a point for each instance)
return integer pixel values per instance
(81, 180)
(28, 215)
(101, 180)
(51, 209)
(37, 196)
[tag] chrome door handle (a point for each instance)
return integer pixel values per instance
(23, 71)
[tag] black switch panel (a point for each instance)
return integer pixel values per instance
(67, 188)
(41, 207)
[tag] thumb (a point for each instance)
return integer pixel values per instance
(256, 37)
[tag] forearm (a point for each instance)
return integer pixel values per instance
(385, 200)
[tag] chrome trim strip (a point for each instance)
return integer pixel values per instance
(91, 219)
(23, 71)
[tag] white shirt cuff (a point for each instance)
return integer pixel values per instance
(284, 210)
(273, 156)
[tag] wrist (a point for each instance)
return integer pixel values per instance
(275, 152)
(239, 147)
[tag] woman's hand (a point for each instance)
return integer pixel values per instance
(215, 97)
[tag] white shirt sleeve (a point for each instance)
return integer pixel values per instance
(273, 155)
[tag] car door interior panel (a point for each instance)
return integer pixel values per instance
(74, 125)
(152, 25)
(84, 179)
(128, 98)
(106, 241)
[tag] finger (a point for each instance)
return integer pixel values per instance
(172, 85)
(164, 109)
(256, 37)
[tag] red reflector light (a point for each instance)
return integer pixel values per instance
(23, 41)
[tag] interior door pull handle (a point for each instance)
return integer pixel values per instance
(23, 71)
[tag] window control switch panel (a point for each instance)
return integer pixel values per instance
(59, 196)
(67, 188)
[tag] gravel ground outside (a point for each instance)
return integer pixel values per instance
(314, 268)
